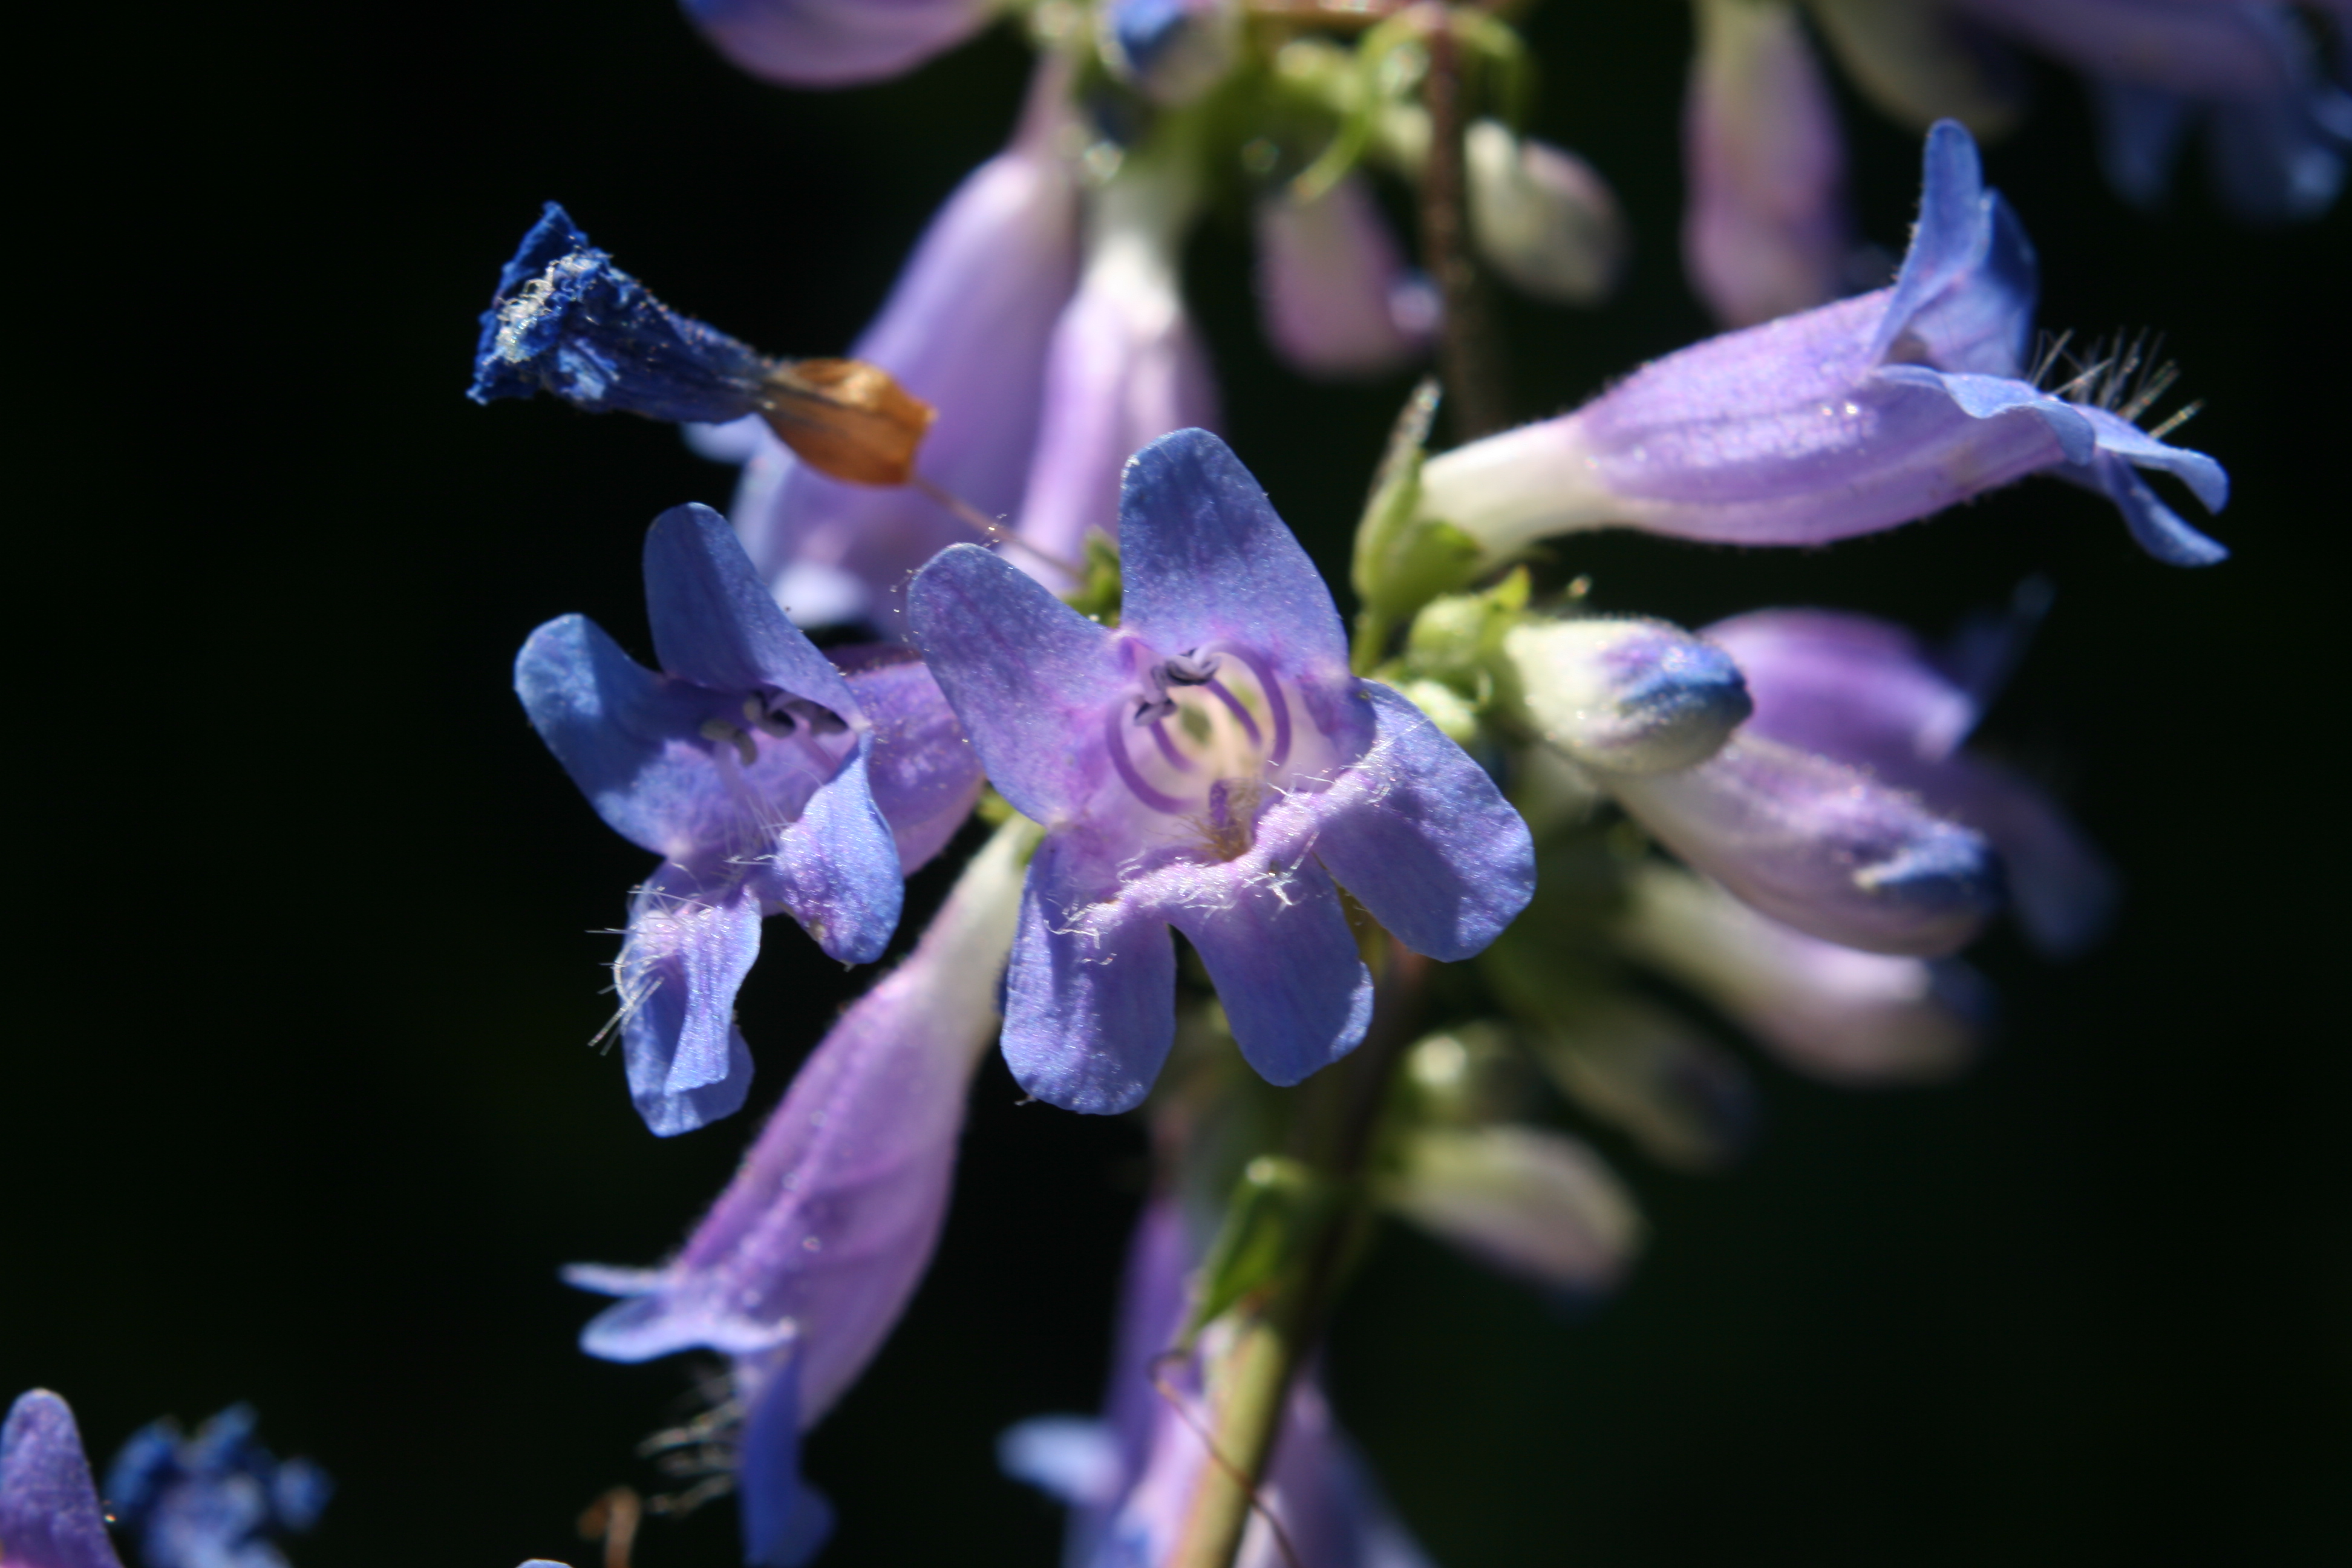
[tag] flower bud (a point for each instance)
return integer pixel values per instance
(1656, 1075)
(1542, 217)
(1172, 51)
(1334, 293)
(1626, 696)
(1533, 1202)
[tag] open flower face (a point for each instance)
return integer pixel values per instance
(1212, 765)
(749, 762)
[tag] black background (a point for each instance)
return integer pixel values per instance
(297, 1104)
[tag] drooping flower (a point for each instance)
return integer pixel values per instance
(1335, 297)
(1649, 714)
(1212, 764)
(1865, 693)
(566, 321)
(1838, 1014)
(1130, 1476)
(50, 1512)
(804, 1263)
(766, 780)
(1765, 229)
(2276, 128)
(1535, 1203)
(836, 42)
(1126, 365)
(965, 328)
(1844, 420)
(213, 1500)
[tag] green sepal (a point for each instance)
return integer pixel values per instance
(1272, 1227)
(1403, 561)
(1097, 598)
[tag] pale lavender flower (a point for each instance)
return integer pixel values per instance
(49, 1513)
(1129, 1478)
(836, 42)
(1844, 420)
(1765, 230)
(1126, 365)
(1212, 764)
(765, 779)
(966, 329)
(1334, 295)
(801, 1269)
(1841, 1015)
(1865, 693)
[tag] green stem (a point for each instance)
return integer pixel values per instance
(1468, 355)
(1251, 1354)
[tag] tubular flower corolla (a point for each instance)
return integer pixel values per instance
(213, 1499)
(50, 1512)
(1844, 420)
(836, 42)
(765, 777)
(801, 1269)
(1129, 1478)
(965, 329)
(1212, 764)
(1125, 367)
(1334, 294)
(1766, 231)
(1864, 693)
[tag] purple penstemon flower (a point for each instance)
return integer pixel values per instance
(1125, 366)
(806, 1260)
(753, 767)
(1844, 420)
(1211, 765)
(966, 328)
(1335, 297)
(1865, 693)
(50, 1512)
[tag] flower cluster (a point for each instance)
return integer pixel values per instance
(1233, 839)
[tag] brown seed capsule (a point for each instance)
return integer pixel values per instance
(847, 418)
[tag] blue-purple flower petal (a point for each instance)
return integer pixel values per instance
(1023, 671)
(785, 1521)
(1204, 557)
(1421, 836)
(1089, 1000)
(834, 43)
(836, 867)
(683, 958)
(1295, 991)
(715, 622)
(923, 771)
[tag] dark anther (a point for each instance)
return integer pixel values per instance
(1150, 710)
(821, 719)
(1191, 670)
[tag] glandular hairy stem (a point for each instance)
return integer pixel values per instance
(1251, 1351)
